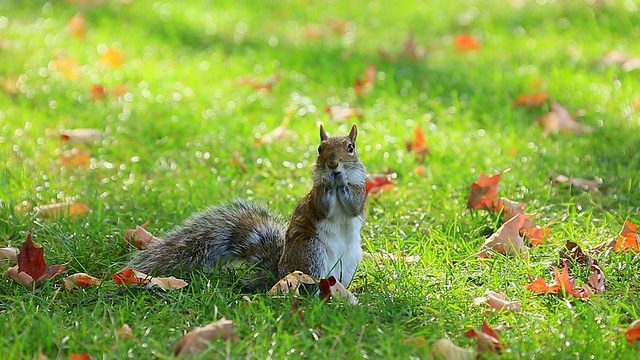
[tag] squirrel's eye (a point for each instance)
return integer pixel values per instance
(319, 149)
(350, 148)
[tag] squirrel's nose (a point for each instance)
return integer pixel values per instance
(332, 164)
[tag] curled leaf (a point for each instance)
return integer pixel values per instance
(291, 283)
(84, 136)
(73, 210)
(498, 301)
(560, 120)
(633, 332)
(80, 280)
(197, 340)
(487, 339)
(133, 277)
(483, 192)
(8, 256)
(143, 238)
(506, 240)
(447, 350)
(331, 288)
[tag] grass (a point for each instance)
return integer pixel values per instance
(169, 146)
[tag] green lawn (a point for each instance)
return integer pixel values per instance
(180, 122)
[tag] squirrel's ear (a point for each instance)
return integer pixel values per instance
(323, 135)
(353, 134)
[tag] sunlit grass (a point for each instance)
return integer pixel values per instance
(173, 140)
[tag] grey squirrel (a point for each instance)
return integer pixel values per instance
(322, 239)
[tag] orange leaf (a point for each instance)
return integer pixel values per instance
(466, 42)
(81, 280)
(633, 332)
(73, 210)
(487, 339)
(563, 285)
(379, 183)
(506, 240)
(363, 87)
(560, 120)
(628, 239)
(78, 26)
(418, 145)
(83, 356)
(132, 277)
(76, 157)
(97, 92)
(534, 99)
(66, 66)
(112, 58)
(127, 276)
(483, 192)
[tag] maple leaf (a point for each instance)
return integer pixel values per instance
(77, 26)
(531, 100)
(466, 42)
(560, 120)
(80, 280)
(377, 183)
(596, 280)
(506, 240)
(342, 113)
(487, 339)
(74, 210)
(498, 301)
(143, 240)
(483, 192)
(331, 288)
(133, 277)
(633, 332)
(563, 285)
(32, 269)
(8, 256)
(628, 239)
(572, 254)
(447, 350)
(112, 58)
(292, 283)
(196, 341)
(418, 145)
(575, 182)
(363, 87)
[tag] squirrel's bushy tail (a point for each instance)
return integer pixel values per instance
(221, 235)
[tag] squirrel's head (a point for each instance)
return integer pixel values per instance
(336, 150)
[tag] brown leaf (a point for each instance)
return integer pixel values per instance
(132, 277)
(31, 268)
(143, 238)
(483, 192)
(560, 120)
(73, 210)
(125, 332)
(364, 86)
(331, 288)
(8, 256)
(445, 349)
(77, 26)
(628, 62)
(506, 240)
(291, 283)
(498, 301)
(280, 133)
(112, 58)
(82, 136)
(596, 280)
(411, 50)
(80, 280)
(260, 85)
(487, 339)
(572, 254)
(342, 113)
(576, 182)
(197, 341)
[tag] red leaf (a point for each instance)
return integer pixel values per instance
(97, 92)
(628, 239)
(466, 42)
(487, 339)
(483, 192)
(633, 332)
(364, 86)
(127, 276)
(419, 145)
(379, 182)
(534, 99)
(31, 262)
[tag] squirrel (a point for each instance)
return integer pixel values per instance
(322, 238)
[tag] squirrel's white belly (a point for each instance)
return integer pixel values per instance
(341, 236)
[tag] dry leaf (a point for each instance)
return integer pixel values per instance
(125, 332)
(411, 50)
(132, 277)
(483, 192)
(8, 256)
(628, 239)
(531, 100)
(32, 269)
(466, 42)
(82, 136)
(97, 92)
(73, 210)
(560, 120)
(633, 332)
(291, 283)
(77, 26)
(364, 86)
(76, 157)
(596, 280)
(445, 349)
(112, 58)
(280, 133)
(563, 285)
(487, 339)
(628, 62)
(506, 240)
(143, 238)
(331, 288)
(80, 280)
(67, 67)
(418, 145)
(377, 183)
(260, 85)
(576, 182)
(342, 113)
(83, 356)
(498, 301)
(197, 340)
(572, 254)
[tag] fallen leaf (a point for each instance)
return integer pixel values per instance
(633, 332)
(386, 257)
(80, 280)
(487, 339)
(331, 288)
(628, 239)
(97, 92)
(83, 136)
(445, 349)
(143, 238)
(8, 256)
(238, 160)
(197, 340)
(112, 58)
(572, 254)
(498, 301)
(77, 26)
(342, 113)
(466, 42)
(364, 86)
(596, 280)
(76, 157)
(338, 25)
(377, 183)
(133, 277)
(560, 120)
(280, 133)
(260, 85)
(531, 100)
(125, 332)
(73, 210)
(32, 269)
(563, 285)
(66, 66)
(411, 50)
(418, 145)
(291, 283)
(506, 240)
(483, 192)
(296, 309)
(76, 356)
(628, 62)
(119, 90)
(574, 182)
